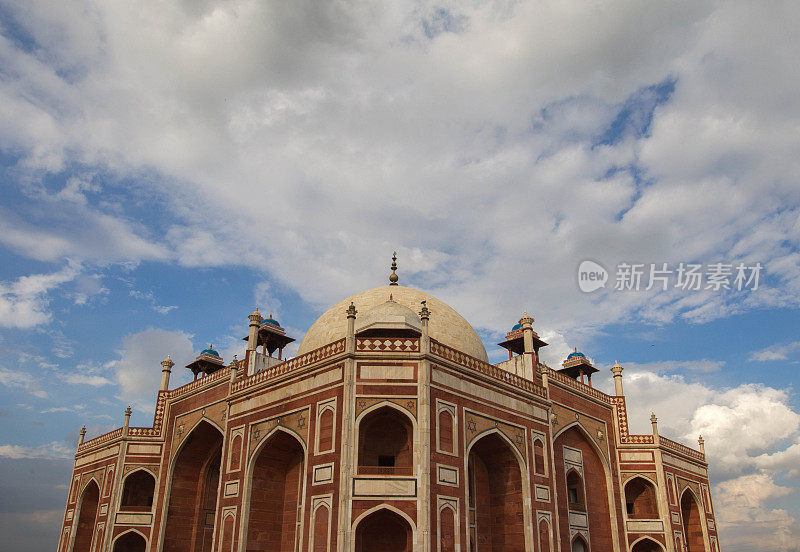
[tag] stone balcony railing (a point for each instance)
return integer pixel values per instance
(575, 385)
(477, 365)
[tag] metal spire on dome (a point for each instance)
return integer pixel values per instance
(393, 276)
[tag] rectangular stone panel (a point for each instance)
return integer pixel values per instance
(645, 526)
(144, 448)
(323, 473)
(448, 475)
(232, 488)
(364, 487)
(636, 456)
(388, 372)
(542, 493)
(577, 519)
(133, 519)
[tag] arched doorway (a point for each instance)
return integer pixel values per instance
(86, 518)
(275, 494)
(692, 524)
(385, 443)
(495, 496)
(130, 542)
(648, 545)
(640, 499)
(193, 492)
(583, 487)
(384, 531)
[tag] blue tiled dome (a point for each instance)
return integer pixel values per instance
(210, 351)
(516, 327)
(271, 321)
(576, 354)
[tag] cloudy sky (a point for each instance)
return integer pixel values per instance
(168, 166)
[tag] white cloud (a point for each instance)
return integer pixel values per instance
(776, 352)
(138, 369)
(23, 303)
(55, 449)
(21, 380)
(464, 129)
(85, 379)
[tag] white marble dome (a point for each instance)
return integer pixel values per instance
(446, 325)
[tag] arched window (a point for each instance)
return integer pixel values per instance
(385, 443)
(538, 457)
(325, 429)
(137, 491)
(445, 427)
(575, 496)
(640, 499)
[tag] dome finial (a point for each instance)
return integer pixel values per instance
(393, 276)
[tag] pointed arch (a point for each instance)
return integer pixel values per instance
(545, 536)
(694, 530)
(602, 515)
(87, 516)
(447, 530)
(273, 492)
(138, 490)
(131, 540)
(382, 523)
(646, 544)
(579, 544)
(498, 486)
(194, 472)
(385, 434)
(641, 500)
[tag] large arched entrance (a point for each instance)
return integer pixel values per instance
(495, 496)
(86, 518)
(193, 492)
(130, 542)
(582, 487)
(384, 531)
(692, 524)
(275, 495)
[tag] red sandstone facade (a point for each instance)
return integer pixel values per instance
(388, 438)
